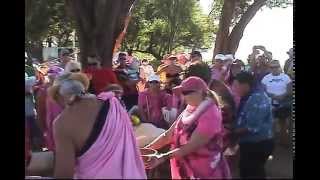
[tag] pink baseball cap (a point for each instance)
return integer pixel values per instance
(192, 83)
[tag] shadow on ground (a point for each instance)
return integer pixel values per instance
(281, 166)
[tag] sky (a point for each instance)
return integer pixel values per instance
(272, 28)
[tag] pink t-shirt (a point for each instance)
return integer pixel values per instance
(152, 105)
(207, 161)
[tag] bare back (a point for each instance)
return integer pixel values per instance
(79, 119)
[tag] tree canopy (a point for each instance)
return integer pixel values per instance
(234, 16)
(157, 27)
(47, 20)
(161, 27)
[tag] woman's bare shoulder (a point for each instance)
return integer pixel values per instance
(72, 115)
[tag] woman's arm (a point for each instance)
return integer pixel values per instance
(141, 104)
(64, 153)
(164, 139)
(142, 114)
(197, 140)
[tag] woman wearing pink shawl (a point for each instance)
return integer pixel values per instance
(47, 109)
(93, 136)
(196, 136)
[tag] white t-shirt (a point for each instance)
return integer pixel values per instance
(276, 84)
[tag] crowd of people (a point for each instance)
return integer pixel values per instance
(214, 119)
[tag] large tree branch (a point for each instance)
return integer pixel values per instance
(238, 30)
(224, 25)
(147, 52)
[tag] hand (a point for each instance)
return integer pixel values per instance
(255, 52)
(153, 162)
(233, 140)
(240, 131)
(89, 76)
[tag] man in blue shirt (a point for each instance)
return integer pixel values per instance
(254, 127)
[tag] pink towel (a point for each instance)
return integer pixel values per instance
(115, 154)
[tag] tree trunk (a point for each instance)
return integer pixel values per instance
(229, 42)
(35, 50)
(99, 23)
(224, 25)
(237, 31)
(49, 41)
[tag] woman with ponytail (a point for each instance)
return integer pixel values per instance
(195, 137)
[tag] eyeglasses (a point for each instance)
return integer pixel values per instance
(75, 70)
(153, 82)
(185, 93)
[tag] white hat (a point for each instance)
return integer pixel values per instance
(229, 56)
(220, 56)
(153, 77)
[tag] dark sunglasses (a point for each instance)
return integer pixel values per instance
(274, 67)
(118, 91)
(153, 82)
(187, 92)
(75, 70)
(92, 64)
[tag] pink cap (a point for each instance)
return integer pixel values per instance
(193, 83)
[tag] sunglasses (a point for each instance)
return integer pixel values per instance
(153, 82)
(118, 91)
(75, 70)
(185, 93)
(92, 64)
(274, 67)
